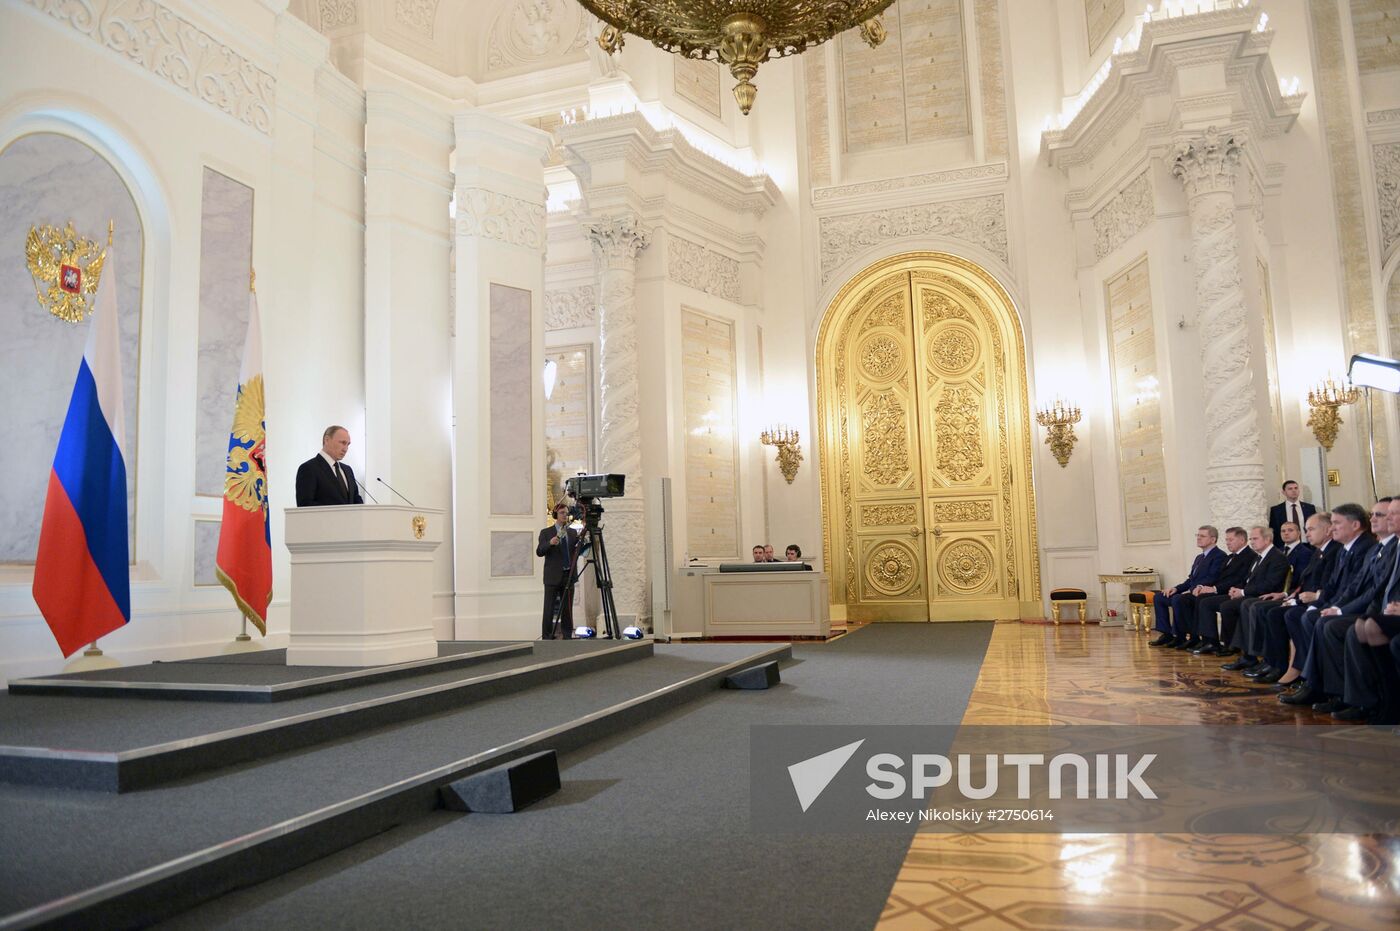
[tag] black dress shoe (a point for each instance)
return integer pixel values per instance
(1268, 678)
(1304, 695)
(1162, 641)
(1354, 714)
(1237, 665)
(1185, 643)
(1205, 649)
(1223, 650)
(1262, 669)
(1330, 706)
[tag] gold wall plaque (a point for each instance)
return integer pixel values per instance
(924, 433)
(420, 526)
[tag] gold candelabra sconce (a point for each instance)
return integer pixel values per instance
(1324, 399)
(1058, 420)
(789, 449)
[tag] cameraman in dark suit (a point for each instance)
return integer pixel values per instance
(559, 546)
(324, 479)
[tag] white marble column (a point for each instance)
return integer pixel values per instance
(497, 394)
(617, 241)
(1234, 464)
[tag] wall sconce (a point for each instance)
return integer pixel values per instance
(1059, 420)
(789, 452)
(1324, 398)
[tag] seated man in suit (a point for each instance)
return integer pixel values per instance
(1351, 528)
(558, 544)
(1238, 560)
(1297, 554)
(1238, 571)
(1264, 636)
(1204, 571)
(1372, 677)
(1365, 597)
(1289, 509)
(1269, 574)
(324, 479)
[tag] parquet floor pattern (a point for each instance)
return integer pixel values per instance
(1069, 675)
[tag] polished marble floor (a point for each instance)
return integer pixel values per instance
(1070, 675)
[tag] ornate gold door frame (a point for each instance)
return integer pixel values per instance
(928, 510)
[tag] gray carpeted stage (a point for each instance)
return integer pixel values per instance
(651, 825)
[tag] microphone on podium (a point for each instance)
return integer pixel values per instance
(365, 489)
(396, 494)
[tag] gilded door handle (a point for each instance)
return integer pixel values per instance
(937, 530)
(914, 531)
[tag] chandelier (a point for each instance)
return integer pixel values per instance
(741, 33)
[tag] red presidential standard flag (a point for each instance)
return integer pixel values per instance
(244, 561)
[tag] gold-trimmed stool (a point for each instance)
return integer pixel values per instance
(1069, 596)
(1140, 611)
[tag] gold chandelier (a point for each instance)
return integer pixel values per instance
(741, 33)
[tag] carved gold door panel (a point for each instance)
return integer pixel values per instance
(924, 440)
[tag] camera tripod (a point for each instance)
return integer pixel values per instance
(592, 535)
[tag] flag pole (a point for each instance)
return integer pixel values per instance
(242, 642)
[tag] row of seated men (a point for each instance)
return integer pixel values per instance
(1316, 619)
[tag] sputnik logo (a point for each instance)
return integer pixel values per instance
(810, 777)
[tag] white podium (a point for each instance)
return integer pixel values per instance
(362, 584)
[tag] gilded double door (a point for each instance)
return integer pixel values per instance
(929, 508)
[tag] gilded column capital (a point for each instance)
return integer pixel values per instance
(1206, 164)
(620, 236)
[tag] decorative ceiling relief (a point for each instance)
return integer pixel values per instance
(570, 307)
(418, 15)
(336, 14)
(979, 221)
(529, 31)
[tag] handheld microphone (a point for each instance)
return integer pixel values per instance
(366, 491)
(396, 494)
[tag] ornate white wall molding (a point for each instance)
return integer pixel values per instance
(417, 15)
(1124, 216)
(338, 13)
(173, 48)
(570, 307)
(979, 221)
(1386, 160)
(694, 266)
(850, 193)
(1383, 117)
(1234, 462)
(1227, 38)
(492, 215)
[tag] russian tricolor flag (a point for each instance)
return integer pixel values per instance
(81, 579)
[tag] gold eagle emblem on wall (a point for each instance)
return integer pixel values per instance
(66, 268)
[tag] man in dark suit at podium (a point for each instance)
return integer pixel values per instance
(324, 479)
(559, 546)
(1289, 509)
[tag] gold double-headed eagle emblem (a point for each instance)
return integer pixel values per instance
(66, 268)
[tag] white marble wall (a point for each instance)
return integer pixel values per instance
(225, 256)
(512, 553)
(46, 178)
(206, 551)
(512, 367)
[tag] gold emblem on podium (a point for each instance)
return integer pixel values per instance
(66, 268)
(420, 526)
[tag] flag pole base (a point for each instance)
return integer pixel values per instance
(91, 658)
(241, 644)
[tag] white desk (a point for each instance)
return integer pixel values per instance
(710, 603)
